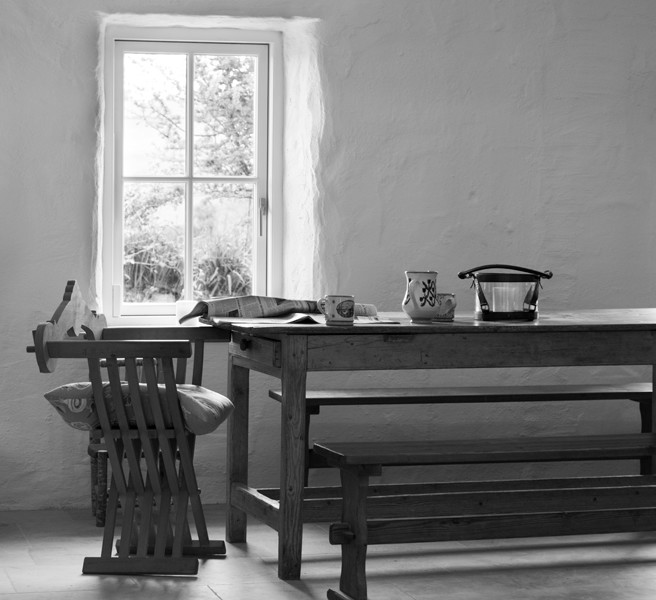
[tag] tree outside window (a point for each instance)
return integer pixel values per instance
(191, 172)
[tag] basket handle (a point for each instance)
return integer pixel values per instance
(471, 272)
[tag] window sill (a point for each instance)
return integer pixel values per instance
(149, 321)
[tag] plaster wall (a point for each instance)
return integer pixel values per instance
(455, 133)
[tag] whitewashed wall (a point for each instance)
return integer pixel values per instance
(456, 133)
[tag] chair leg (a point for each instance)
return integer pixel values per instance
(98, 468)
(93, 463)
(203, 546)
(101, 488)
(155, 537)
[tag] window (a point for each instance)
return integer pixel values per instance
(187, 169)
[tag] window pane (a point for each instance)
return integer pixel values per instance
(153, 242)
(222, 230)
(154, 114)
(224, 88)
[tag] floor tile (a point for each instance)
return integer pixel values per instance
(41, 555)
(64, 578)
(6, 587)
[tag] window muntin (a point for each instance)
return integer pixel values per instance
(191, 170)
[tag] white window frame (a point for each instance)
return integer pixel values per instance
(266, 259)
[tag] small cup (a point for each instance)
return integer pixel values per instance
(338, 310)
(445, 306)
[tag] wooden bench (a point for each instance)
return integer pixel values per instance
(482, 510)
(315, 399)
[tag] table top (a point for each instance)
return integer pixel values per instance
(641, 319)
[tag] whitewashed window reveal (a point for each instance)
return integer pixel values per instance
(187, 170)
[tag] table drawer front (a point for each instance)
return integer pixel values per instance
(255, 352)
(480, 350)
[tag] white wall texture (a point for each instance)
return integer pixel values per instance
(456, 133)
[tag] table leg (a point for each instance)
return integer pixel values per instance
(648, 416)
(292, 456)
(237, 448)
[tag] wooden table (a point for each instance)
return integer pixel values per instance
(289, 352)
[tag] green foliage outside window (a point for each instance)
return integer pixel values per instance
(154, 211)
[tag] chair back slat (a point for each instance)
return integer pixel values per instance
(148, 444)
(124, 349)
(171, 396)
(185, 447)
(132, 446)
(181, 370)
(113, 453)
(162, 423)
(199, 359)
(175, 413)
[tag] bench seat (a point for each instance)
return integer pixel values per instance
(450, 452)
(640, 392)
(315, 399)
(507, 509)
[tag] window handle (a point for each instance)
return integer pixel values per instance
(264, 207)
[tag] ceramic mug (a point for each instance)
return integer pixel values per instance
(445, 306)
(338, 309)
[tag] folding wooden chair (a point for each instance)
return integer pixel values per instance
(150, 451)
(97, 452)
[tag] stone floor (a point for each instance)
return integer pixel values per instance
(41, 555)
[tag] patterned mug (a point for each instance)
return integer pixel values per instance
(338, 310)
(420, 299)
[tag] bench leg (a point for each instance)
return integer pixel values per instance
(646, 415)
(333, 595)
(353, 581)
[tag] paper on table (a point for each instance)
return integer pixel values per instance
(257, 307)
(287, 319)
(294, 318)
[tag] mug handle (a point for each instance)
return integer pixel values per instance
(411, 288)
(321, 305)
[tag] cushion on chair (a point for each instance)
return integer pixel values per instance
(203, 410)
